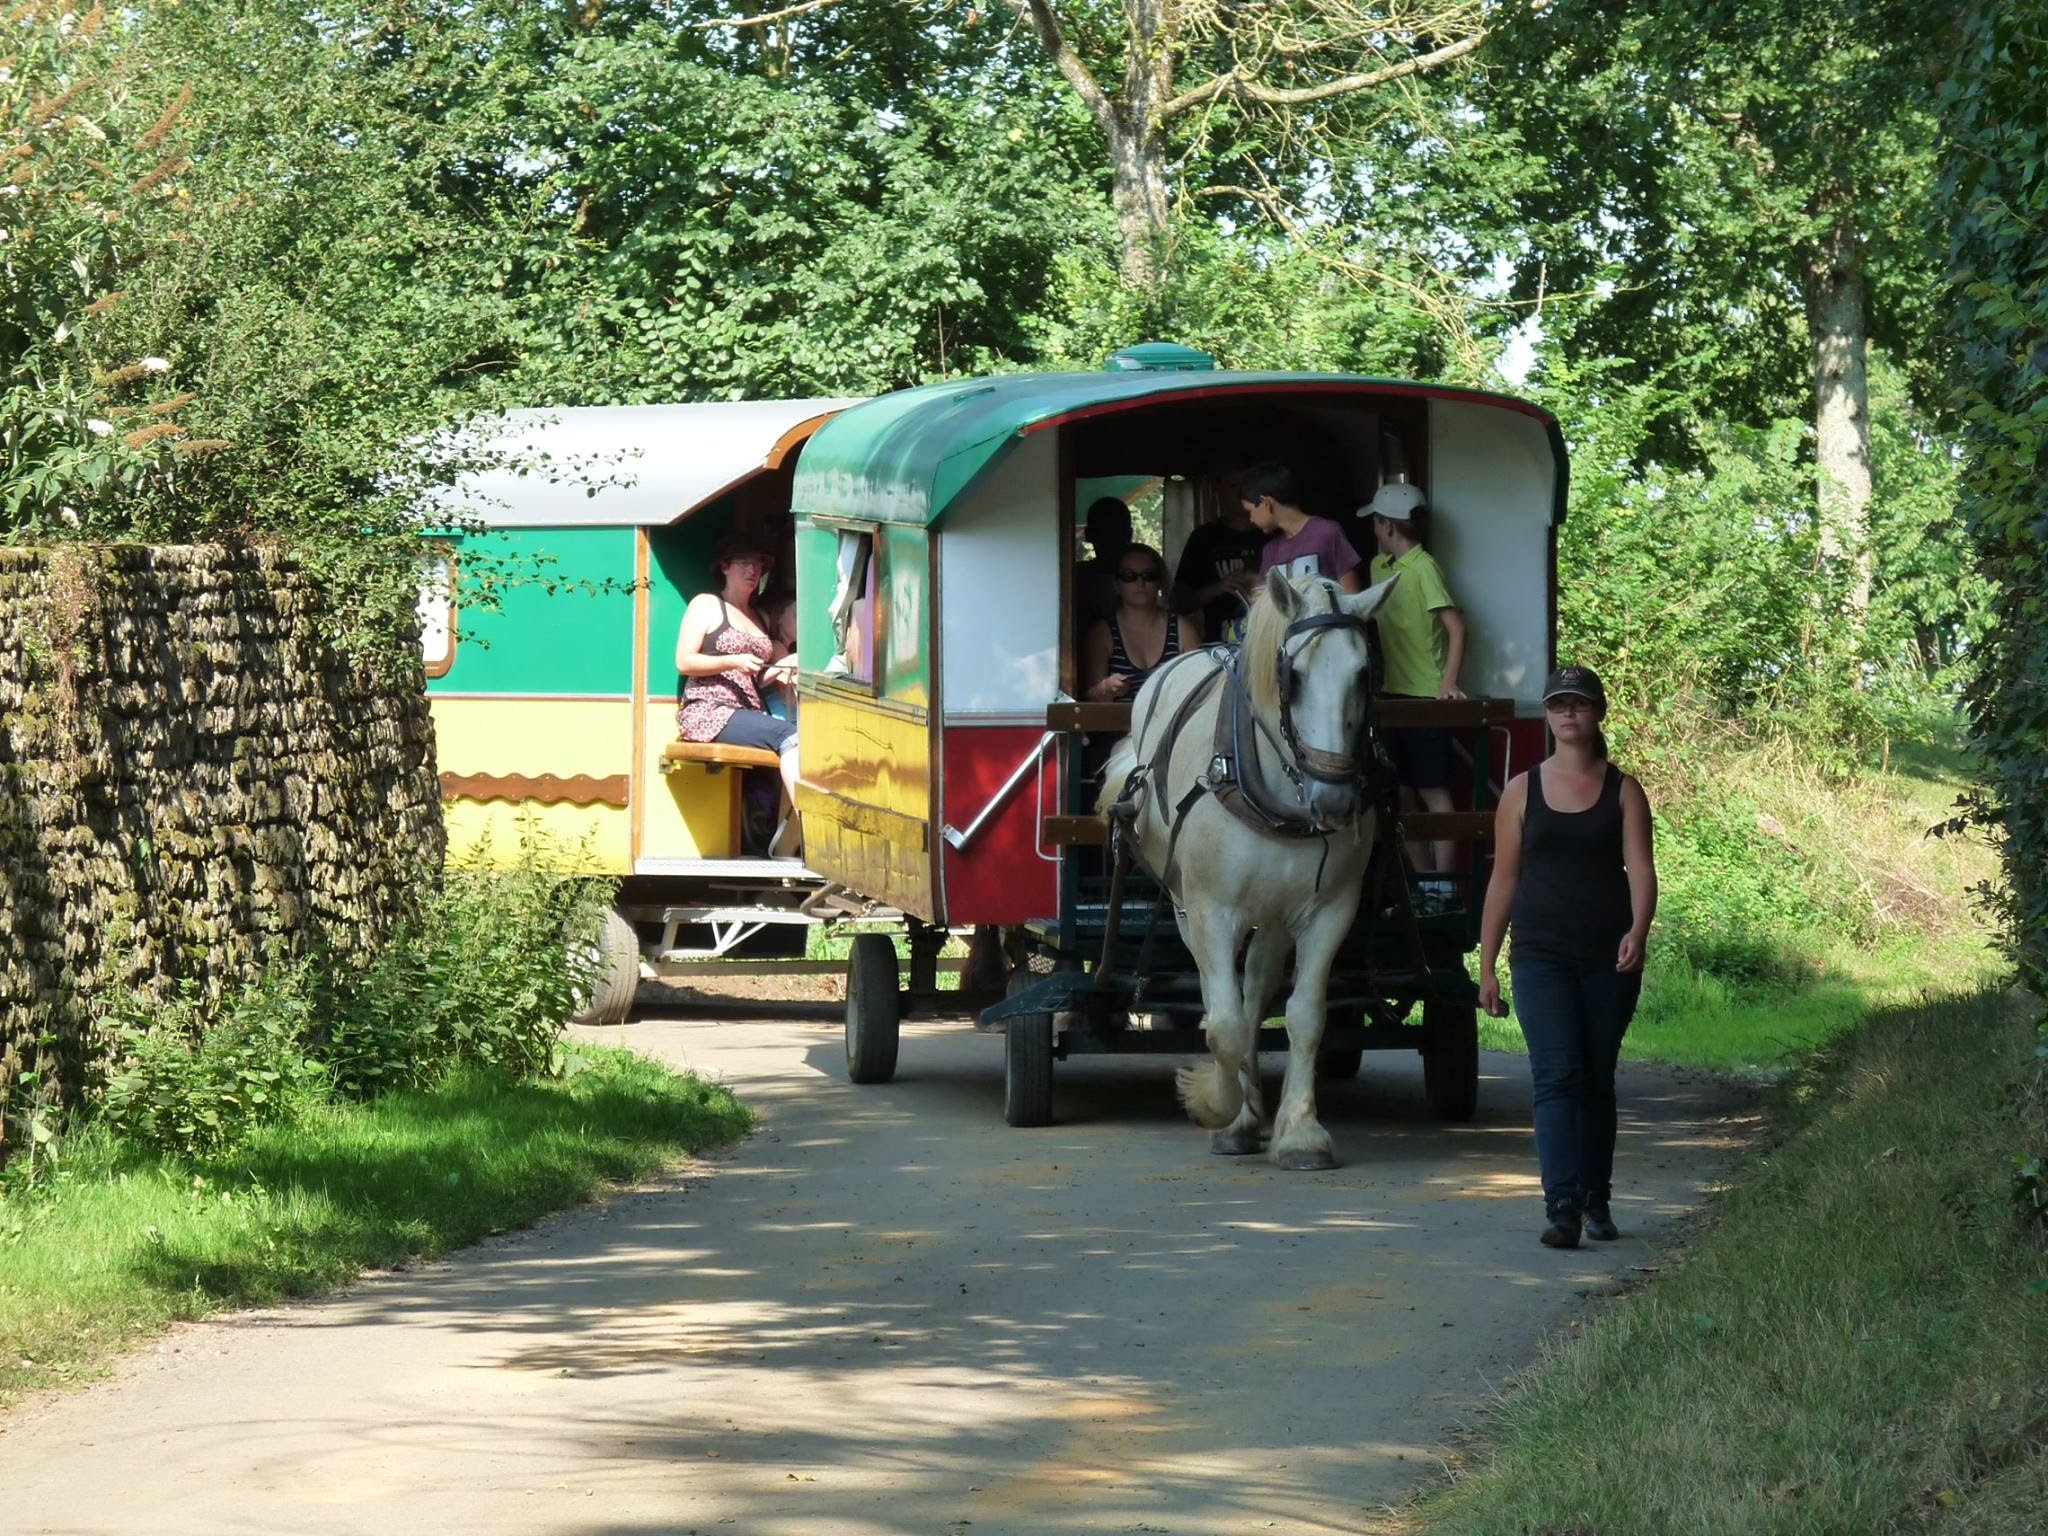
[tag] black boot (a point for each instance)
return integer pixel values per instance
(1600, 1222)
(1563, 1229)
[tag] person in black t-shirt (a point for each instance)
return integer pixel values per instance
(1108, 531)
(1574, 873)
(1219, 571)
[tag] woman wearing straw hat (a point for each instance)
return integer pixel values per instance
(1575, 876)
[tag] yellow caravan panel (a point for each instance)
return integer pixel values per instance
(688, 812)
(560, 763)
(865, 789)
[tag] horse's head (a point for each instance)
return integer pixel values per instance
(1308, 670)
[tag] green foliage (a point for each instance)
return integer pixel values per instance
(1854, 1344)
(1994, 217)
(250, 290)
(196, 1076)
(93, 190)
(1686, 163)
(1733, 903)
(114, 1245)
(747, 239)
(1930, 610)
(1697, 592)
(1247, 301)
(487, 974)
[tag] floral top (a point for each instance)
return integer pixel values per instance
(710, 700)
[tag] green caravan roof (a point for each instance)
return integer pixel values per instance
(907, 457)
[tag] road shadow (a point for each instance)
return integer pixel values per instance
(889, 1312)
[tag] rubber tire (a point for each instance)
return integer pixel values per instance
(1339, 1066)
(1027, 1064)
(617, 948)
(1450, 1059)
(874, 1009)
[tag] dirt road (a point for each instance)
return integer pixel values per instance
(888, 1314)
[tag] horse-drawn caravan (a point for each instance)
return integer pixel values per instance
(942, 748)
(555, 701)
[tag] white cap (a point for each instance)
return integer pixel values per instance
(1396, 501)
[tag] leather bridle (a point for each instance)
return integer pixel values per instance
(1354, 767)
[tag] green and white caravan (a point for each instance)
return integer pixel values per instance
(937, 647)
(555, 704)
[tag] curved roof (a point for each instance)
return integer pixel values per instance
(907, 456)
(627, 465)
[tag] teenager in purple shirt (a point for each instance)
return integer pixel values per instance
(1301, 545)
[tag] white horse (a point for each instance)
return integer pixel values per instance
(1255, 808)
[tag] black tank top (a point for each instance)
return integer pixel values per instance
(1120, 663)
(1572, 899)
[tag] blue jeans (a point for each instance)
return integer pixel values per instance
(1573, 1017)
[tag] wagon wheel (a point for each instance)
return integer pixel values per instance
(613, 957)
(874, 1009)
(1450, 1058)
(1027, 1063)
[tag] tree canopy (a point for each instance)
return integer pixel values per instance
(260, 258)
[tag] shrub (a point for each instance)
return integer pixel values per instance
(197, 1075)
(512, 956)
(487, 974)
(1994, 199)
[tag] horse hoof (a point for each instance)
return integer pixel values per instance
(1305, 1160)
(1229, 1143)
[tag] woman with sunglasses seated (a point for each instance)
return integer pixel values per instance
(725, 654)
(1121, 651)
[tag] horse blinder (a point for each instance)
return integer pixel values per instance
(1328, 767)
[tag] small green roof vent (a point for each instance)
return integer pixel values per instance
(1160, 357)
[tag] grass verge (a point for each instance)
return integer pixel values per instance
(114, 1247)
(1795, 902)
(1855, 1344)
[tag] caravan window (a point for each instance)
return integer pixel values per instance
(853, 608)
(436, 609)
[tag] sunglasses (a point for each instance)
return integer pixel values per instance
(1145, 575)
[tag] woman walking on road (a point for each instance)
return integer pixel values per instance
(1575, 876)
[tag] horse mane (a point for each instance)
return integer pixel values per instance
(1263, 633)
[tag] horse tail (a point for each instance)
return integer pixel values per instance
(1210, 1094)
(1122, 759)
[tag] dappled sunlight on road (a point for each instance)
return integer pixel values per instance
(889, 1313)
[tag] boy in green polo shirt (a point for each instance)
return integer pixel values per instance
(1422, 644)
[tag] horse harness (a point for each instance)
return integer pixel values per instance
(1233, 776)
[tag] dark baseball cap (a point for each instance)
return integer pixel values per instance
(1583, 681)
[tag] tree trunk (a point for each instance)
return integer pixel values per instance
(1138, 190)
(1833, 280)
(1137, 142)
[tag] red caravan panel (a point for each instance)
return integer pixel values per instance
(998, 877)
(1529, 744)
